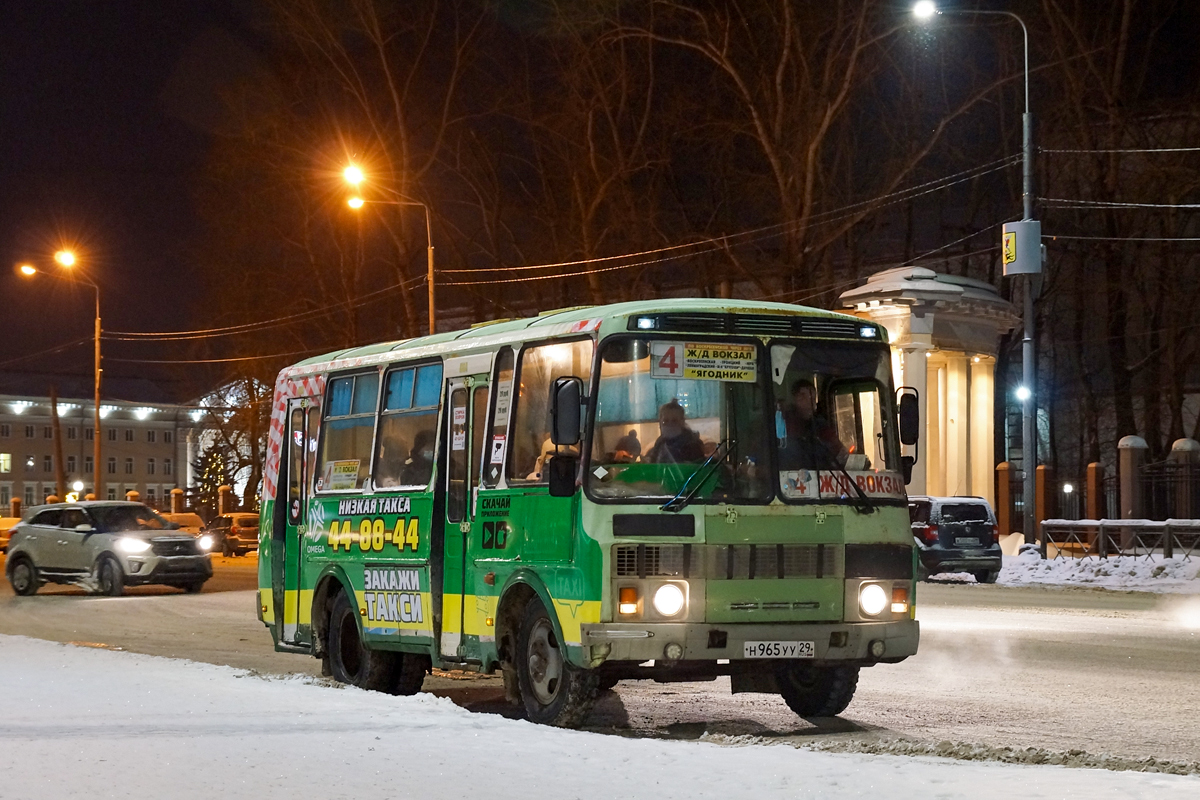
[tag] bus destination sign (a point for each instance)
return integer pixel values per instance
(704, 361)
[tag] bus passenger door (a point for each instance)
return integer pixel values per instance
(465, 428)
(287, 561)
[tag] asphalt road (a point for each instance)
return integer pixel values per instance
(1062, 669)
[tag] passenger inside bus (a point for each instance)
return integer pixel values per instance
(628, 449)
(419, 465)
(807, 439)
(677, 443)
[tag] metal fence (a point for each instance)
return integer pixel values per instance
(1170, 490)
(1016, 485)
(1102, 538)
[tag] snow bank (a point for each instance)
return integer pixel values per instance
(1126, 573)
(79, 722)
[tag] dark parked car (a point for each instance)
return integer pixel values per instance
(104, 546)
(956, 534)
(234, 534)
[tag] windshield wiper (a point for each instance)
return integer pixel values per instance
(684, 496)
(865, 506)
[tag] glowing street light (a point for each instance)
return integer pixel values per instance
(66, 259)
(354, 176)
(924, 9)
(1068, 488)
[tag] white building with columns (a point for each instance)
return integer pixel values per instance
(945, 332)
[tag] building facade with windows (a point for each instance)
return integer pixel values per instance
(145, 446)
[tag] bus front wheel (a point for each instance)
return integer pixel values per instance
(816, 691)
(349, 659)
(553, 691)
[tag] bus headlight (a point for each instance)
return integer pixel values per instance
(872, 599)
(669, 600)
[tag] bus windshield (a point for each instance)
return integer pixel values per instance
(674, 416)
(833, 420)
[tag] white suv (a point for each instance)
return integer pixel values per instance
(104, 547)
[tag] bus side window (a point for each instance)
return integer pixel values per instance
(456, 477)
(493, 457)
(295, 460)
(407, 427)
(529, 443)
(349, 428)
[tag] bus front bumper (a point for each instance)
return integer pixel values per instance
(846, 642)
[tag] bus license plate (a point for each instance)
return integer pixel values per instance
(779, 650)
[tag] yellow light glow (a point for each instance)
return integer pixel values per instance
(28, 270)
(353, 175)
(65, 257)
(355, 202)
(628, 608)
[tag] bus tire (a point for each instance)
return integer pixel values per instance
(816, 691)
(350, 660)
(411, 674)
(22, 574)
(553, 691)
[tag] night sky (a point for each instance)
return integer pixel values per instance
(106, 110)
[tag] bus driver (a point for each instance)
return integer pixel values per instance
(811, 442)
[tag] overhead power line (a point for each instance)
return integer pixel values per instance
(767, 231)
(251, 327)
(310, 351)
(1066, 203)
(1127, 238)
(48, 352)
(1127, 150)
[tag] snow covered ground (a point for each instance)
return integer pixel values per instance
(80, 722)
(1127, 573)
(1122, 573)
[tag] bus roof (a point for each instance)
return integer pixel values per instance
(563, 319)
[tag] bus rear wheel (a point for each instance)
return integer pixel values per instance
(816, 691)
(553, 691)
(349, 659)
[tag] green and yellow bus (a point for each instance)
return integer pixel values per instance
(671, 490)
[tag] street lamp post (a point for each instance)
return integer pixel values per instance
(354, 176)
(1030, 268)
(66, 259)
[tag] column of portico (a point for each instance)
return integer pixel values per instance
(935, 442)
(956, 439)
(983, 449)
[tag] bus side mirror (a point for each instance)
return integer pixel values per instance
(910, 416)
(566, 397)
(906, 466)
(562, 470)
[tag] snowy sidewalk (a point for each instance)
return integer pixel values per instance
(77, 722)
(1118, 573)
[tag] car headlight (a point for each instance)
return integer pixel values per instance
(668, 600)
(205, 542)
(872, 599)
(131, 545)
